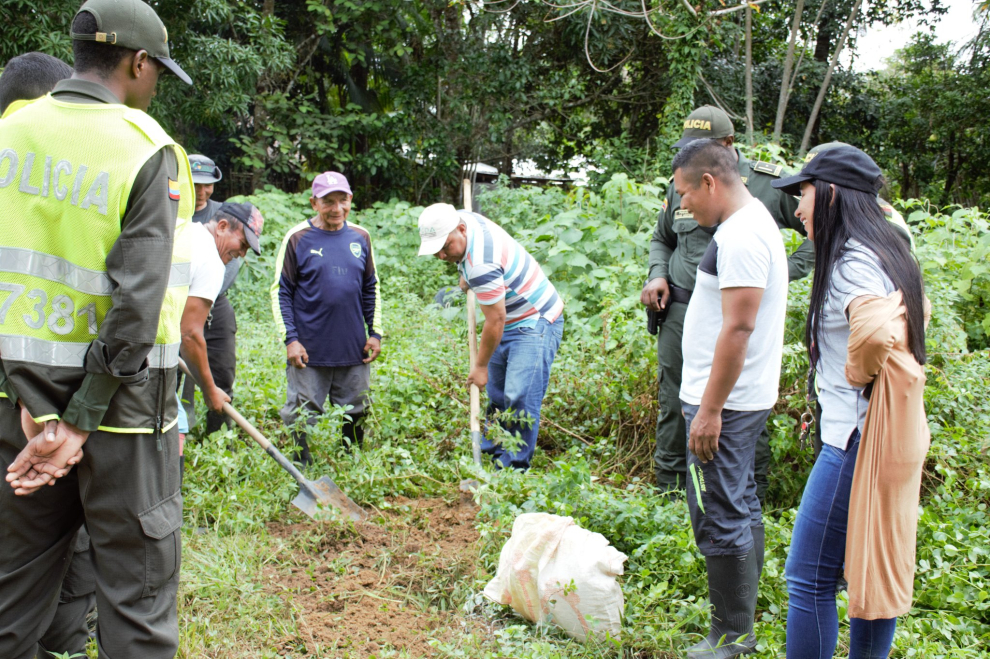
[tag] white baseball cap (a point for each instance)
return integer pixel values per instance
(435, 224)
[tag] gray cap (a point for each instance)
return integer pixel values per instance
(707, 121)
(204, 170)
(131, 24)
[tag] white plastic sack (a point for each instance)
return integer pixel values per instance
(552, 569)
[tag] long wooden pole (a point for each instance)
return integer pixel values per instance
(473, 352)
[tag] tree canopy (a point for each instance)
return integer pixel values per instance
(399, 94)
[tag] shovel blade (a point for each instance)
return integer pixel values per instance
(305, 502)
(324, 492)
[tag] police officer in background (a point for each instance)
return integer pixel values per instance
(95, 203)
(220, 330)
(676, 248)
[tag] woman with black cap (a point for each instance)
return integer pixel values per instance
(866, 340)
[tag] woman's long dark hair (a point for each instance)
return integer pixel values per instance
(853, 214)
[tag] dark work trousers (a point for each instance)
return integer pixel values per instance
(220, 333)
(721, 493)
(69, 631)
(126, 489)
(669, 460)
(670, 457)
(309, 388)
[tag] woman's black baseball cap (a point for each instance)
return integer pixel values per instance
(843, 165)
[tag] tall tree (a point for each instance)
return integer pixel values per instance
(806, 139)
(749, 74)
(785, 78)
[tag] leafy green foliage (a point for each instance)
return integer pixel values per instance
(596, 437)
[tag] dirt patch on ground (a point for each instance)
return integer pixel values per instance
(389, 583)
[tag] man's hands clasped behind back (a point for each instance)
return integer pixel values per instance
(53, 449)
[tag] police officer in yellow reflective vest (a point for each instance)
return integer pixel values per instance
(95, 199)
(676, 248)
(25, 78)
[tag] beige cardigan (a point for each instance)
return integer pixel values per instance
(883, 505)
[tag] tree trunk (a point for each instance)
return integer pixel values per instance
(954, 164)
(260, 114)
(749, 75)
(828, 77)
(785, 78)
(823, 42)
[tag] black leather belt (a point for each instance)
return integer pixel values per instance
(678, 294)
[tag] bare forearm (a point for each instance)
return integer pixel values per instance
(491, 336)
(194, 351)
(730, 355)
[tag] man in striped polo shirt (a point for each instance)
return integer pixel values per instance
(524, 319)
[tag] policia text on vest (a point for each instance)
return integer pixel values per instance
(55, 290)
(57, 180)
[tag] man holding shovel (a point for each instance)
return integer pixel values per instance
(524, 319)
(227, 236)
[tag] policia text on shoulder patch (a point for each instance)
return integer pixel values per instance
(768, 168)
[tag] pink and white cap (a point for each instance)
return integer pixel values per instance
(328, 182)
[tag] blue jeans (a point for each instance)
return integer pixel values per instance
(518, 374)
(815, 562)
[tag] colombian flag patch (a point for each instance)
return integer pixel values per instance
(173, 190)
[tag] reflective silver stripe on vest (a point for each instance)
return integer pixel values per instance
(164, 355)
(180, 275)
(46, 353)
(72, 355)
(54, 268)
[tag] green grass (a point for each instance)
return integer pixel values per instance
(593, 463)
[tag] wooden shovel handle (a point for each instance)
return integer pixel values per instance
(233, 414)
(473, 355)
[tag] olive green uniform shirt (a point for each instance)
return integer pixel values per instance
(679, 242)
(150, 218)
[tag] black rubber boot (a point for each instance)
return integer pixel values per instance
(732, 584)
(303, 456)
(217, 420)
(182, 470)
(353, 432)
(759, 546)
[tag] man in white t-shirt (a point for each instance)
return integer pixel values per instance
(733, 344)
(228, 235)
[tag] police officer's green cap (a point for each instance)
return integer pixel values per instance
(823, 147)
(204, 170)
(131, 24)
(707, 121)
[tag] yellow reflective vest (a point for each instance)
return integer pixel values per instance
(66, 172)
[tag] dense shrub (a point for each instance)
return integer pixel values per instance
(597, 439)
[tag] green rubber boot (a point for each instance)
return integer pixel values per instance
(732, 584)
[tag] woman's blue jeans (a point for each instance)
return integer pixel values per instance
(518, 375)
(815, 563)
